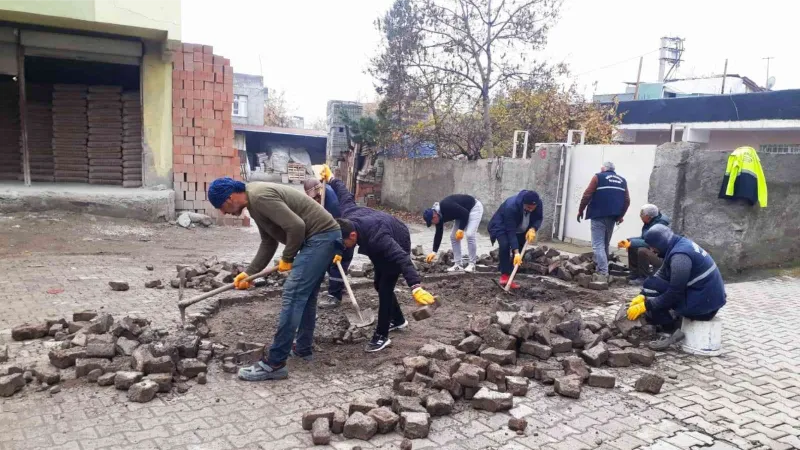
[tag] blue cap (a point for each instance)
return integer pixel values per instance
(428, 216)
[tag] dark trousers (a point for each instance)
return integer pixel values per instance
(665, 319)
(386, 277)
(335, 282)
(506, 254)
(643, 262)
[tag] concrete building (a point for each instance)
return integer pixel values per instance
(766, 121)
(684, 87)
(249, 95)
(337, 136)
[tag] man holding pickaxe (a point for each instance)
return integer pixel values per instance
(312, 239)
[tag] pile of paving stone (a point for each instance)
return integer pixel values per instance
(497, 360)
(128, 354)
(212, 274)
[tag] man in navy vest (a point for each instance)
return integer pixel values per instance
(688, 284)
(607, 199)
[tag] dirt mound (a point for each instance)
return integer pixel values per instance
(461, 297)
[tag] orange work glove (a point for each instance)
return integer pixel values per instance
(239, 282)
(284, 266)
(459, 235)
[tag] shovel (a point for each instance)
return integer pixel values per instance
(365, 318)
(183, 304)
(507, 288)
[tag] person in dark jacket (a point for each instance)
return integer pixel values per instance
(688, 285)
(515, 221)
(386, 241)
(313, 189)
(607, 199)
(643, 261)
(467, 213)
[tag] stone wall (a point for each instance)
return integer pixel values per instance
(415, 184)
(685, 184)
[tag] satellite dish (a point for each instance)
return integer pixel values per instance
(770, 83)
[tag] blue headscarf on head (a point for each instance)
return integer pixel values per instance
(221, 189)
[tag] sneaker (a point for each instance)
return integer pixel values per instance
(393, 327)
(304, 356)
(262, 371)
(470, 268)
(330, 302)
(637, 281)
(664, 342)
(504, 282)
(377, 343)
(455, 268)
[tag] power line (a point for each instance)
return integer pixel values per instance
(617, 63)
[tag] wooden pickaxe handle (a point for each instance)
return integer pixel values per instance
(183, 304)
(516, 267)
(349, 291)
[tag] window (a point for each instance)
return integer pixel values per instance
(780, 148)
(240, 105)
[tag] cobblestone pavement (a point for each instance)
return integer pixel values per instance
(747, 398)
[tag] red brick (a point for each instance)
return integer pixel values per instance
(177, 63)
(208, 50)
(219, 87)
(219, 78)
(188, 195)
(226, 62)
(197, 57)
(188, 66)
(219, 60)
(218, 68)
(188, 75)
(187, 59)
(218, 105)
(188, 47)
(209, 69)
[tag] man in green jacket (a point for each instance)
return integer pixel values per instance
(312, 239)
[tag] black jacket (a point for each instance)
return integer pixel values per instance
(381, 237)
(453, 207)
(509, 216)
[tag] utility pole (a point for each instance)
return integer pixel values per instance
(724, 76)
(638, 78)
(767, 58)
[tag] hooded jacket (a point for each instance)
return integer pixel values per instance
(508, 218)
(701, 292)
(381, 237)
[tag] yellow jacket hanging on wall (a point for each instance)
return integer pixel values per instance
(744, 177)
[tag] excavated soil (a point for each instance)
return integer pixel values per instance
(460, 298)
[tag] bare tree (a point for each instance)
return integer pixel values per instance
(320, 124)
(276, 110)
(484, 44)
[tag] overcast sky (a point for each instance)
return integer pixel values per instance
(319, 50)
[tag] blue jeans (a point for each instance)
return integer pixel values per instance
(299, 303)
(602, 228)
(335, 282)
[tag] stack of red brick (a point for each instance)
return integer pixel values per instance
(202, 102)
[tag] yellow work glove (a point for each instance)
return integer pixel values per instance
(337, 259)
(638, 299)
(429, 259)
(422, 296)
(459, 235)
(517, 259)
(636, 310)
(284, 266)
(239, 282)
(624, 243)
(530, 236)
(325, 173)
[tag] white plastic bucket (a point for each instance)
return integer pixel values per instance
(703, 338)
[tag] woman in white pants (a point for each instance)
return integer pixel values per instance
(467, 212)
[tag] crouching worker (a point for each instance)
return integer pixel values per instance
(643, 261)
(313, 189)
(387, 243)
(514, 223)
(467, 212)
(311, 237)
(688, 284)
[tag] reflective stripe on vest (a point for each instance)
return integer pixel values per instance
(703, 275)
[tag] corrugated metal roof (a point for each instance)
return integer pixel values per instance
(774, 105)
(279, 130)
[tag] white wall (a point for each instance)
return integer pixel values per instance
(633, 162)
